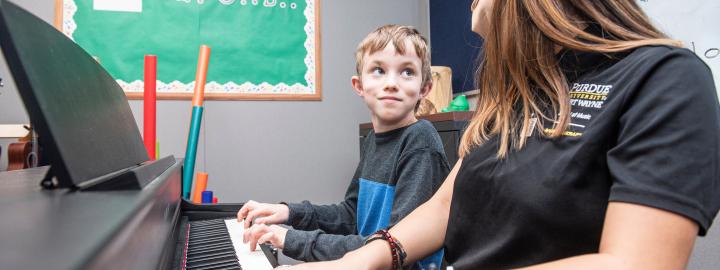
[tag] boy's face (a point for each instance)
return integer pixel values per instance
(391, 85)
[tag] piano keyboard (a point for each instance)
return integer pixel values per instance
(217, 244)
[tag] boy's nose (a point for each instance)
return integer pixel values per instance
(390, 84)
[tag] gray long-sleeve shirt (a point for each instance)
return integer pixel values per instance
(398, 171)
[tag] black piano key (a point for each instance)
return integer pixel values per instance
(202, 226)
(208, 252)
(213, 258)
(213, 261)
(209, 238)
(215, 232)
(206, 230)
(217, 267)
(213, 246)
(202, 252)
(206, 248)
(222, 267)
(208, 255)
(208, 235)
(199, 224)
(200, 243)
(209, 246)
(208, 221)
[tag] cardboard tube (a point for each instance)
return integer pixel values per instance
(200, 76)
(149, 105)
(200, 186)
(198, 96)
(191, 151)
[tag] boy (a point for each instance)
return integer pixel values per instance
(402, 163)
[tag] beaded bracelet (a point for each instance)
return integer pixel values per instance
(396, 249)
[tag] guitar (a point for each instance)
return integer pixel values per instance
(22, 154)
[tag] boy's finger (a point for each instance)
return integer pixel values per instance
(246, 236)
(267, 237)
(257, 213)
(241, 214)
(249, 217)
(252, 244)
(263, 220)
(256, 232)
(244, 210)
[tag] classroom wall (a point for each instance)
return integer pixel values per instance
(273, 150)
(12, 110)
(288, 151)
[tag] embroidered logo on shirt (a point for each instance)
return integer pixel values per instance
(586, 99)
(588, 95)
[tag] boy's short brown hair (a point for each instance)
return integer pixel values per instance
(397, 34)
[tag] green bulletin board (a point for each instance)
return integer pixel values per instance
(261, 49)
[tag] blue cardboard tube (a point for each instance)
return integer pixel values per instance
(207, 196)
(191, 151)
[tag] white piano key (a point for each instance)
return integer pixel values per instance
(248, 260)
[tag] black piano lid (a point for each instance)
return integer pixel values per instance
(66, 229)
(80, 113)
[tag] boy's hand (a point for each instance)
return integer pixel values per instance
(261, 233)
(262, 213)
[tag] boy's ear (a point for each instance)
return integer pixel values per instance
(426, 89)
(357, 85)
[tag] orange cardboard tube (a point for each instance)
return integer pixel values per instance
(200, 76)
(200, 186)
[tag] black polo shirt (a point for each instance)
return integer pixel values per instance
(644, 129)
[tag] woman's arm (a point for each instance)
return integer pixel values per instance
(421, 232)
(637, 237)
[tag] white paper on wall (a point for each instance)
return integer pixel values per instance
(118, 5)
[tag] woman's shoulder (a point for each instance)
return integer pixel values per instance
(664, 55)
(662, 75)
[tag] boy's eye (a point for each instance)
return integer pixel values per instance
(377, 71)
(408, 72)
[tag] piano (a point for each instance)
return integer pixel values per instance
(152, 228)
(101, 203)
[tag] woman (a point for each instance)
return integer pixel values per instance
(595, 146)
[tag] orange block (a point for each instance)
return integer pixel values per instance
(201, 179)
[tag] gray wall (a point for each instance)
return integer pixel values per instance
(288, 151)
(11, 107)
(274, 150)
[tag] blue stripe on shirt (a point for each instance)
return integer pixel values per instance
(374, 206)
(373, 213)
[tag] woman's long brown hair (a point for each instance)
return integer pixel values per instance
(519, 76)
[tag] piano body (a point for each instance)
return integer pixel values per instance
(101, 204)
(127, 229)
